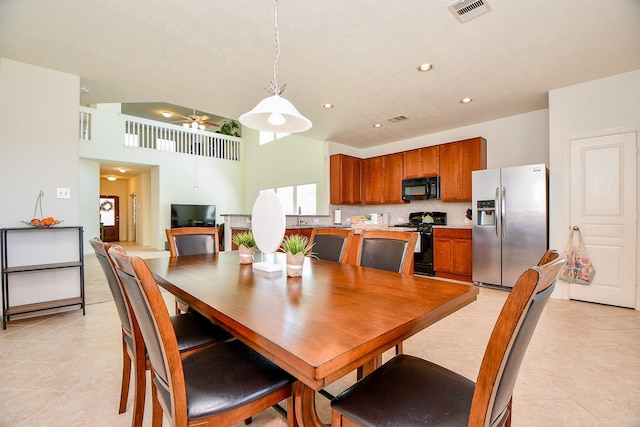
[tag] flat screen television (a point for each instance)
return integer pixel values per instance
(193, 215)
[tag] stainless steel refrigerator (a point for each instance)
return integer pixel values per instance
(509, 222)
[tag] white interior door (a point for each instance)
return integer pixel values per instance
(604, 206)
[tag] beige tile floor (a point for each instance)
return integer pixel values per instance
(582, 367)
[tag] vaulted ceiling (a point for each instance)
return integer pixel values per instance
(360, 55)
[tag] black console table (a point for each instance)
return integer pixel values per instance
(36, 254)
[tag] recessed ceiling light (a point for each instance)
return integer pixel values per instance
(111, 178)
(122, 170)
(327, 106)
(166, 114)
(425, 67)
(377, 125)
(466, 100)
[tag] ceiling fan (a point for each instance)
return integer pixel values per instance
(193, 121)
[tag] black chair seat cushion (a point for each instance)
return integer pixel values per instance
(194, 330)
(408, 391)
(227, 376)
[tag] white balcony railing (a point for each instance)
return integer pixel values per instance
(141, 133)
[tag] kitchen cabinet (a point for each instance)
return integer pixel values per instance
(372, 180)
(345, 180)
(420, 163)
(452, 253)
(47, 261)
(457, 161)
(382, 179)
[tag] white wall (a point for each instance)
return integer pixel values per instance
(599, 105)
(89, 197)
(291, 160)
(39, 142)
(39, 151)
(511, 141)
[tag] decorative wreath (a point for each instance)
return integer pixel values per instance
(106, 206)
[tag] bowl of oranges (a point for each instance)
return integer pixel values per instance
(44, 222)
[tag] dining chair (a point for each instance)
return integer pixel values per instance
(219, 385)
(331, 243)
(191, 241)
(409, 391)
(192, 331)
(387, 250)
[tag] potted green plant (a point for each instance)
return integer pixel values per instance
(229, 127)
(246, 246)
(296, 247)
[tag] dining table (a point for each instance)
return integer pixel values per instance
(331, 320)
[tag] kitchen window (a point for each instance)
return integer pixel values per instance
(298, 199)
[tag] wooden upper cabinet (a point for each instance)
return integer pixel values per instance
(382, 179)
(421, 162)
(457, 161)
(372, 180)
(345, 179)
(392, 181)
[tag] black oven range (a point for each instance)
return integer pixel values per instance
(423, 222)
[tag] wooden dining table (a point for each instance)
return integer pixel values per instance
(333, 319)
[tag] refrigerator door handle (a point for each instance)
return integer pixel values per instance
(497, 204)
(503, 213)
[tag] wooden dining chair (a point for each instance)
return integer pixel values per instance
(387, 250)
(332, 244)
(219, 385)
(191, 241)
(192, 331)
(409, 391)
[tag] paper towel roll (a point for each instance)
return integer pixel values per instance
(337, 217)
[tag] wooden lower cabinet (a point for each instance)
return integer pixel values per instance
(452, 256)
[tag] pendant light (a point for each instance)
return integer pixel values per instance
(275, 113)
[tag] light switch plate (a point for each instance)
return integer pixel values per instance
(63, 193)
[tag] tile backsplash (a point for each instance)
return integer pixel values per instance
(400, 213)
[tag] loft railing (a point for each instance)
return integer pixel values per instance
(141, 133)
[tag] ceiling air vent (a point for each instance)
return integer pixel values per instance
(465, 10)
(398, 119)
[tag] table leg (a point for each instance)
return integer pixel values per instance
(369, 367)
(305, 402)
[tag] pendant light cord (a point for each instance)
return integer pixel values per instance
(275, 90)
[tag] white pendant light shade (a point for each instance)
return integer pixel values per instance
(275, 114)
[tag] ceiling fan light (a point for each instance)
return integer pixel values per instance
(185, 125)
(202, 127)
(275, 114)
(194, 125)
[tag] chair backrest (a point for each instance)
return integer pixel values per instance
(509, 340)
(157, 331)
(192, 240)
(387, 250)
(106, 264)
(331, 244)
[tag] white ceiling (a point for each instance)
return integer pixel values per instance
(360, 55)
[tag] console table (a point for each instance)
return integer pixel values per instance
(43, 259)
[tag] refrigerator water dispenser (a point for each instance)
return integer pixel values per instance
(487, 212)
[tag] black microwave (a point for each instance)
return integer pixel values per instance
(421, 188)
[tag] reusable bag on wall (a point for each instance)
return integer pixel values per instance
(578, 267)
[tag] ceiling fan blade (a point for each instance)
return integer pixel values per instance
(211, 124)
(203, 118)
